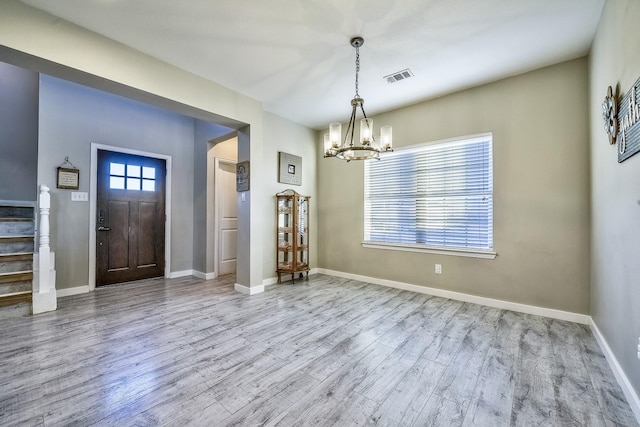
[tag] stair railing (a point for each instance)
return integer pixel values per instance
(44, 275)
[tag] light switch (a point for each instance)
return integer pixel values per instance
(79, 196)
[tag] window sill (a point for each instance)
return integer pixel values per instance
(440, 250)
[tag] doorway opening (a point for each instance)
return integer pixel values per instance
(222, 206)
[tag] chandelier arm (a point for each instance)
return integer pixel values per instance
(351, 127)
(362, 109)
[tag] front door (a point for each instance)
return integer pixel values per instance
(130, 217)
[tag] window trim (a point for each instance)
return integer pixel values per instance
(430, 249)
(488, 253)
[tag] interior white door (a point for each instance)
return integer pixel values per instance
(227, 218)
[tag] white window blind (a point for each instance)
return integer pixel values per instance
(433, 195)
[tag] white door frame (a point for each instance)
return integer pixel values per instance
(93, 187)
(216, 204)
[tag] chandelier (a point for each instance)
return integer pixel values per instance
(368, 146)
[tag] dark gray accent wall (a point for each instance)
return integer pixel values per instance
(18, 133)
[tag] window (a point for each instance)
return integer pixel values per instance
(131, 177)
(432, 197)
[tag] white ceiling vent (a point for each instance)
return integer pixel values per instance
(398, 75)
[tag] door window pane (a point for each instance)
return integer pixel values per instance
(148, 185)
(133, 170)
(133, 184)
(148, 173)
(116, 183)
(116, 169)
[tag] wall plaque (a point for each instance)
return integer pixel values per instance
(68, 179)
(242, 176)
(628, 138)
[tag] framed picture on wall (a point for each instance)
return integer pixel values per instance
(68, 179)
(289, 169)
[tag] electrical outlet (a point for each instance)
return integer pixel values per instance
(438, 269)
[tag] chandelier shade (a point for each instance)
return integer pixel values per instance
(366, 146)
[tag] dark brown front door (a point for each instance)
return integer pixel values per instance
(130, 217)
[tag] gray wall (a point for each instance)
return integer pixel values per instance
(615, 192)
(540, 128)
(71, 118)
(18, 133)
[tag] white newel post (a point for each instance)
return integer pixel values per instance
(44, 275)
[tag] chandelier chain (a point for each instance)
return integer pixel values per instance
(357, 68)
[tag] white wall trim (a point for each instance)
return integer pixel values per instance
(183, 273)
(66, 292)
(273, 280)
(248, 290)
(459, 296)
(625, 384)
(269, 281)
(408, 247)
(205, 276)
(93, 186)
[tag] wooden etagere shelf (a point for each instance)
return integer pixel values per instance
(292, 245)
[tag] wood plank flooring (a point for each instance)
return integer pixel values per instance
(319, 353)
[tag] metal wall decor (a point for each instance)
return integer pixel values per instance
(610, 115)
(628, 137)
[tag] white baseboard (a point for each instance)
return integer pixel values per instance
(248, 290)
(459, 296)
(65, 292)
(273, 280)
(625, 384)
(270, 281)
(183, 273)
(205, 276)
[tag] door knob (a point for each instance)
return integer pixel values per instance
(101, 228)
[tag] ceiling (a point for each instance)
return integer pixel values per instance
(294, 56)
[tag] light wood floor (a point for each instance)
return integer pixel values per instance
(325, 352)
